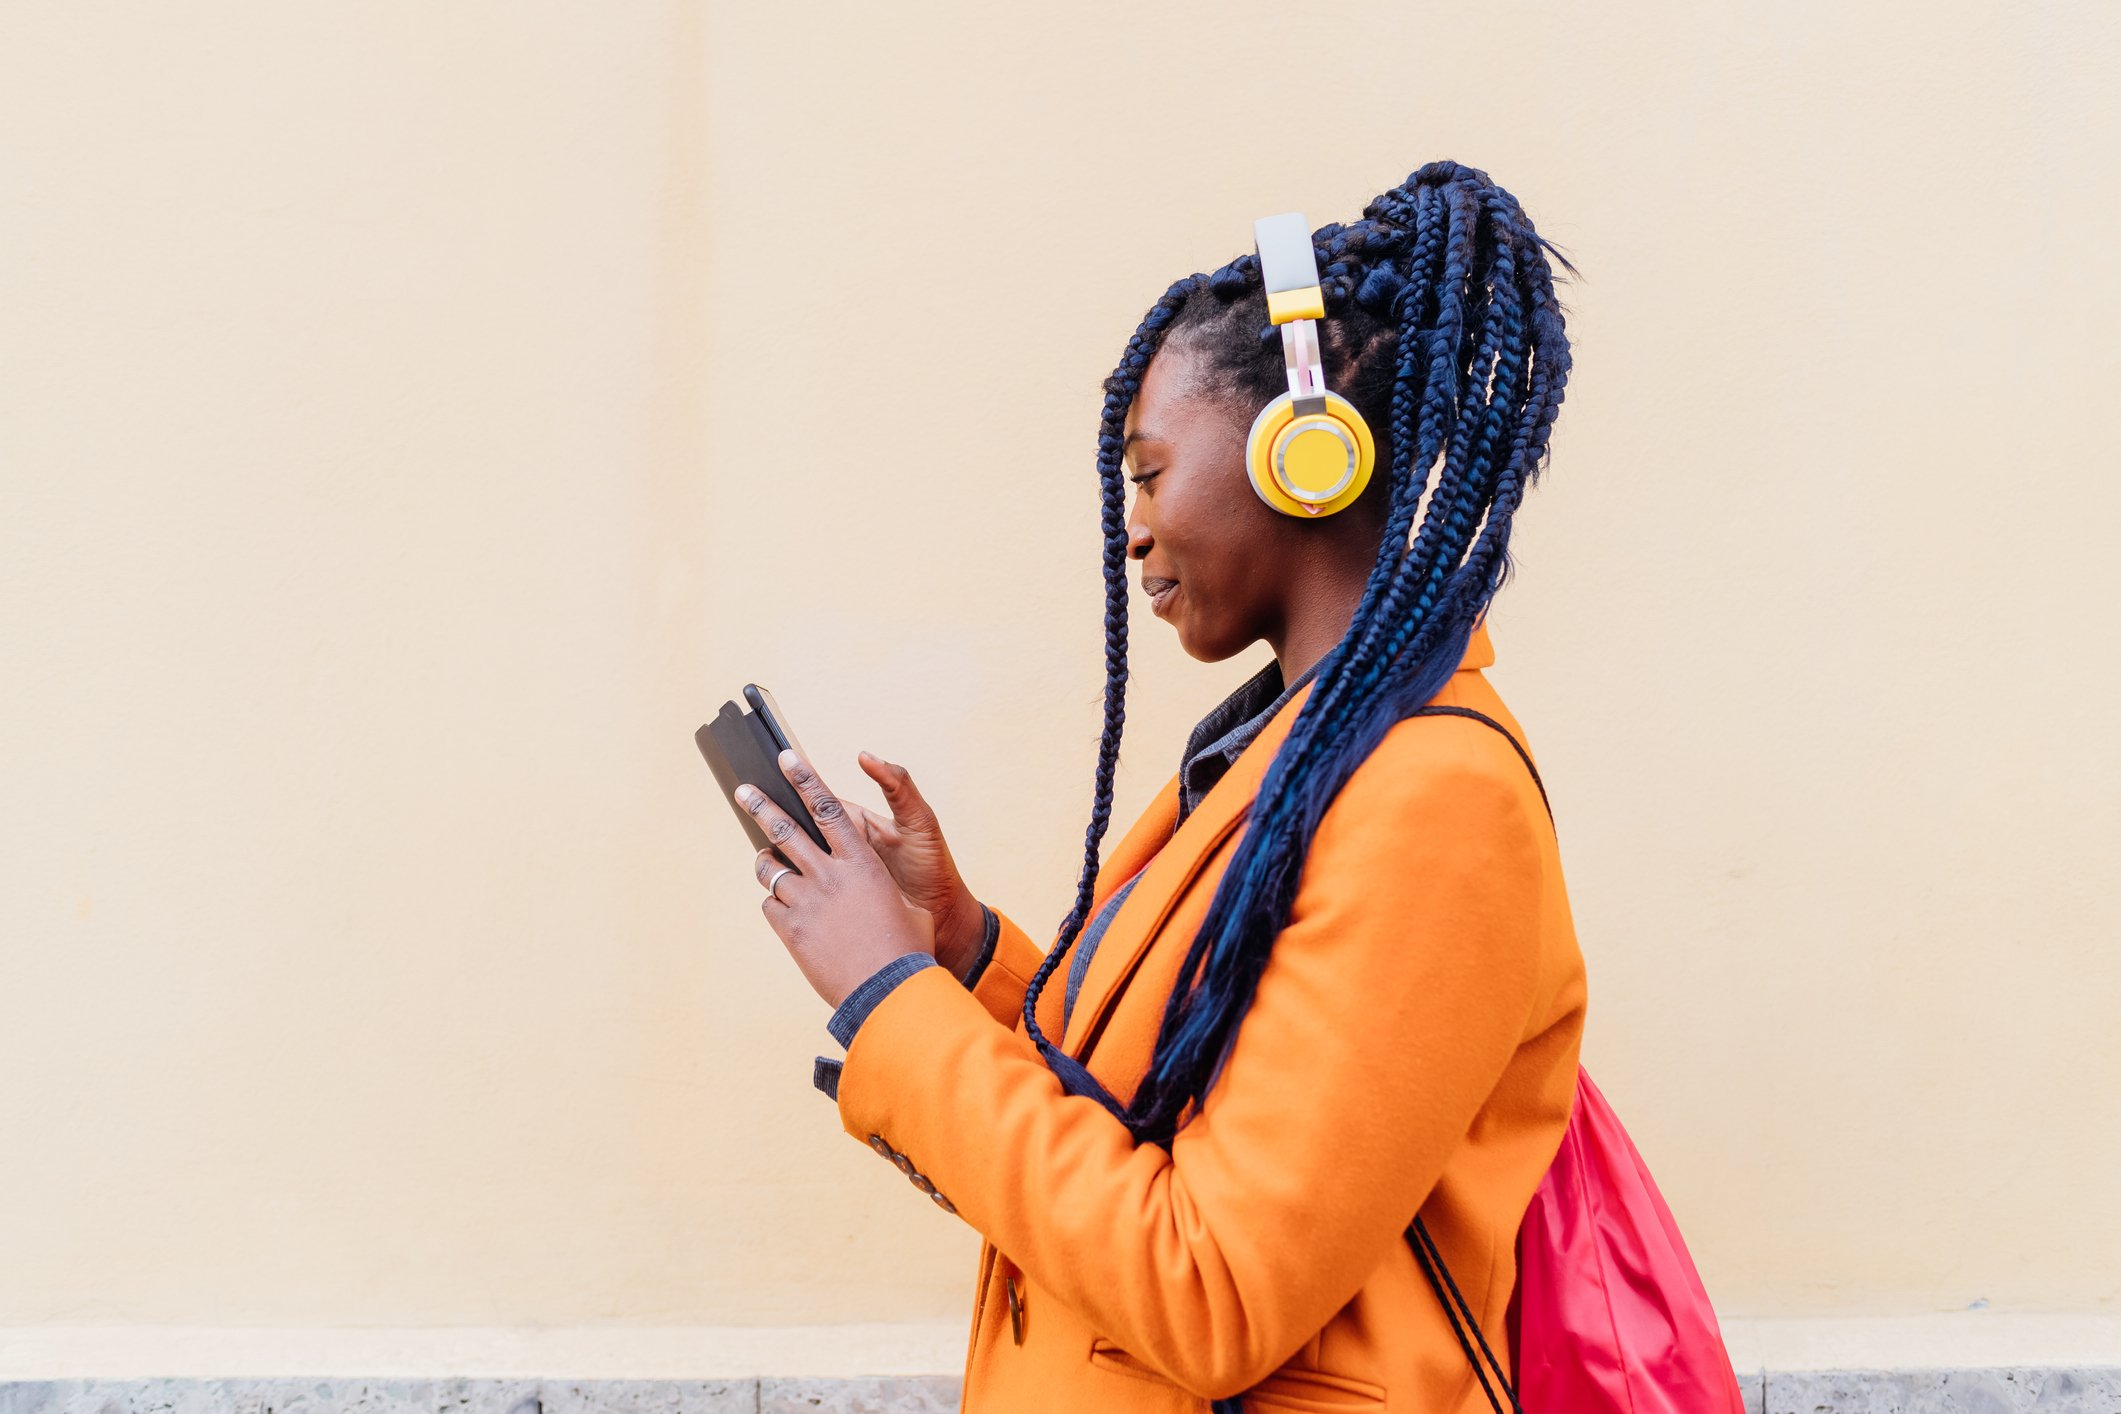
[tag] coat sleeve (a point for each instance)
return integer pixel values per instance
(1413, 937)
(1001, 984)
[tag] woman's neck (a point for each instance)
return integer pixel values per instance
(1321, 605)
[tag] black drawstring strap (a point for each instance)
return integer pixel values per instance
(1431, 1259)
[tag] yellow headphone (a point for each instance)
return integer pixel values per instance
(1309, 452)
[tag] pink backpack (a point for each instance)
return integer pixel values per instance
(1609, 1315)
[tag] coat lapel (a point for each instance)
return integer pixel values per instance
(1171, 869)
(1137, 847)
(1173, 859)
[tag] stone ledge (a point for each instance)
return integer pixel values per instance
(2002, 1391)
(2050, 1391)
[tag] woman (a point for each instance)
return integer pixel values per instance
(1197, 1195)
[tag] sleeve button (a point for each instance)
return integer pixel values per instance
(878, 1143)
(944, 1203)
(905, 1165)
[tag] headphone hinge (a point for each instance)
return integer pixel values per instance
(1307, 375)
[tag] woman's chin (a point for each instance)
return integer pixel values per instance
(1203, 650)
(1207, 647)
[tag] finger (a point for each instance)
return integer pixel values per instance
(864, 819)
(778, 914)
(790, 838)
(827, 809)
(881, 832)
(908, 807)
(766, 867)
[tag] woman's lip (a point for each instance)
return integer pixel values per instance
(1160, 594)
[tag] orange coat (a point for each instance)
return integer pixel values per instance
(1412, 1046)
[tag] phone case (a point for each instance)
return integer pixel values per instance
(740, 748)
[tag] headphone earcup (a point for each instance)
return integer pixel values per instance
(1310, 466)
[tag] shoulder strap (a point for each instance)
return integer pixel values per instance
(1437, 710)
(1426, 1252)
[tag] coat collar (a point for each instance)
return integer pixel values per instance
(1172, 854)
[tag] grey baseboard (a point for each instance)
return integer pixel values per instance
(2001, 1391)
(933, 1394)
(2078, 1391)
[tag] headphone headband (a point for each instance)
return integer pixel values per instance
(1289, 270)
(1309, 452)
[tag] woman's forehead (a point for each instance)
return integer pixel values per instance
(1170, 394)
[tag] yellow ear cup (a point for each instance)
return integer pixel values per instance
(1313, 465)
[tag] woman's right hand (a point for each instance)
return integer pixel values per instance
(911, 845)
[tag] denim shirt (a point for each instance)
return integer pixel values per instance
(1212, 747)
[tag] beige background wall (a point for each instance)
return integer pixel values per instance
(414, 420)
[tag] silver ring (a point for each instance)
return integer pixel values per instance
(774, 881)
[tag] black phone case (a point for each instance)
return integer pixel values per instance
(740, 748)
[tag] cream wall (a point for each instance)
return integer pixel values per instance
(414, 420)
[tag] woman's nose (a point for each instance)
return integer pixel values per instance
(1138, 540)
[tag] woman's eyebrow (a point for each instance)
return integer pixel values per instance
(1138, 436)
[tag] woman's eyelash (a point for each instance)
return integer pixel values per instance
(1144, 477)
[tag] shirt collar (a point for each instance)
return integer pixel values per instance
(1222, 736)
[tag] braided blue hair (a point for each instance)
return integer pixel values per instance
(1442, 327)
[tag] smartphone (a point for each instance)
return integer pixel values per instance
(769, 712)
(741, 747)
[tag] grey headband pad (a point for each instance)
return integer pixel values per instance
(1285, 258)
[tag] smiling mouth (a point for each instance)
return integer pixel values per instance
(1159, 592)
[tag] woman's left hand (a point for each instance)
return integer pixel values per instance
(840, 915)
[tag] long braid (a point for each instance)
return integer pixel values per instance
(1435, 377)
(1120, 390)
